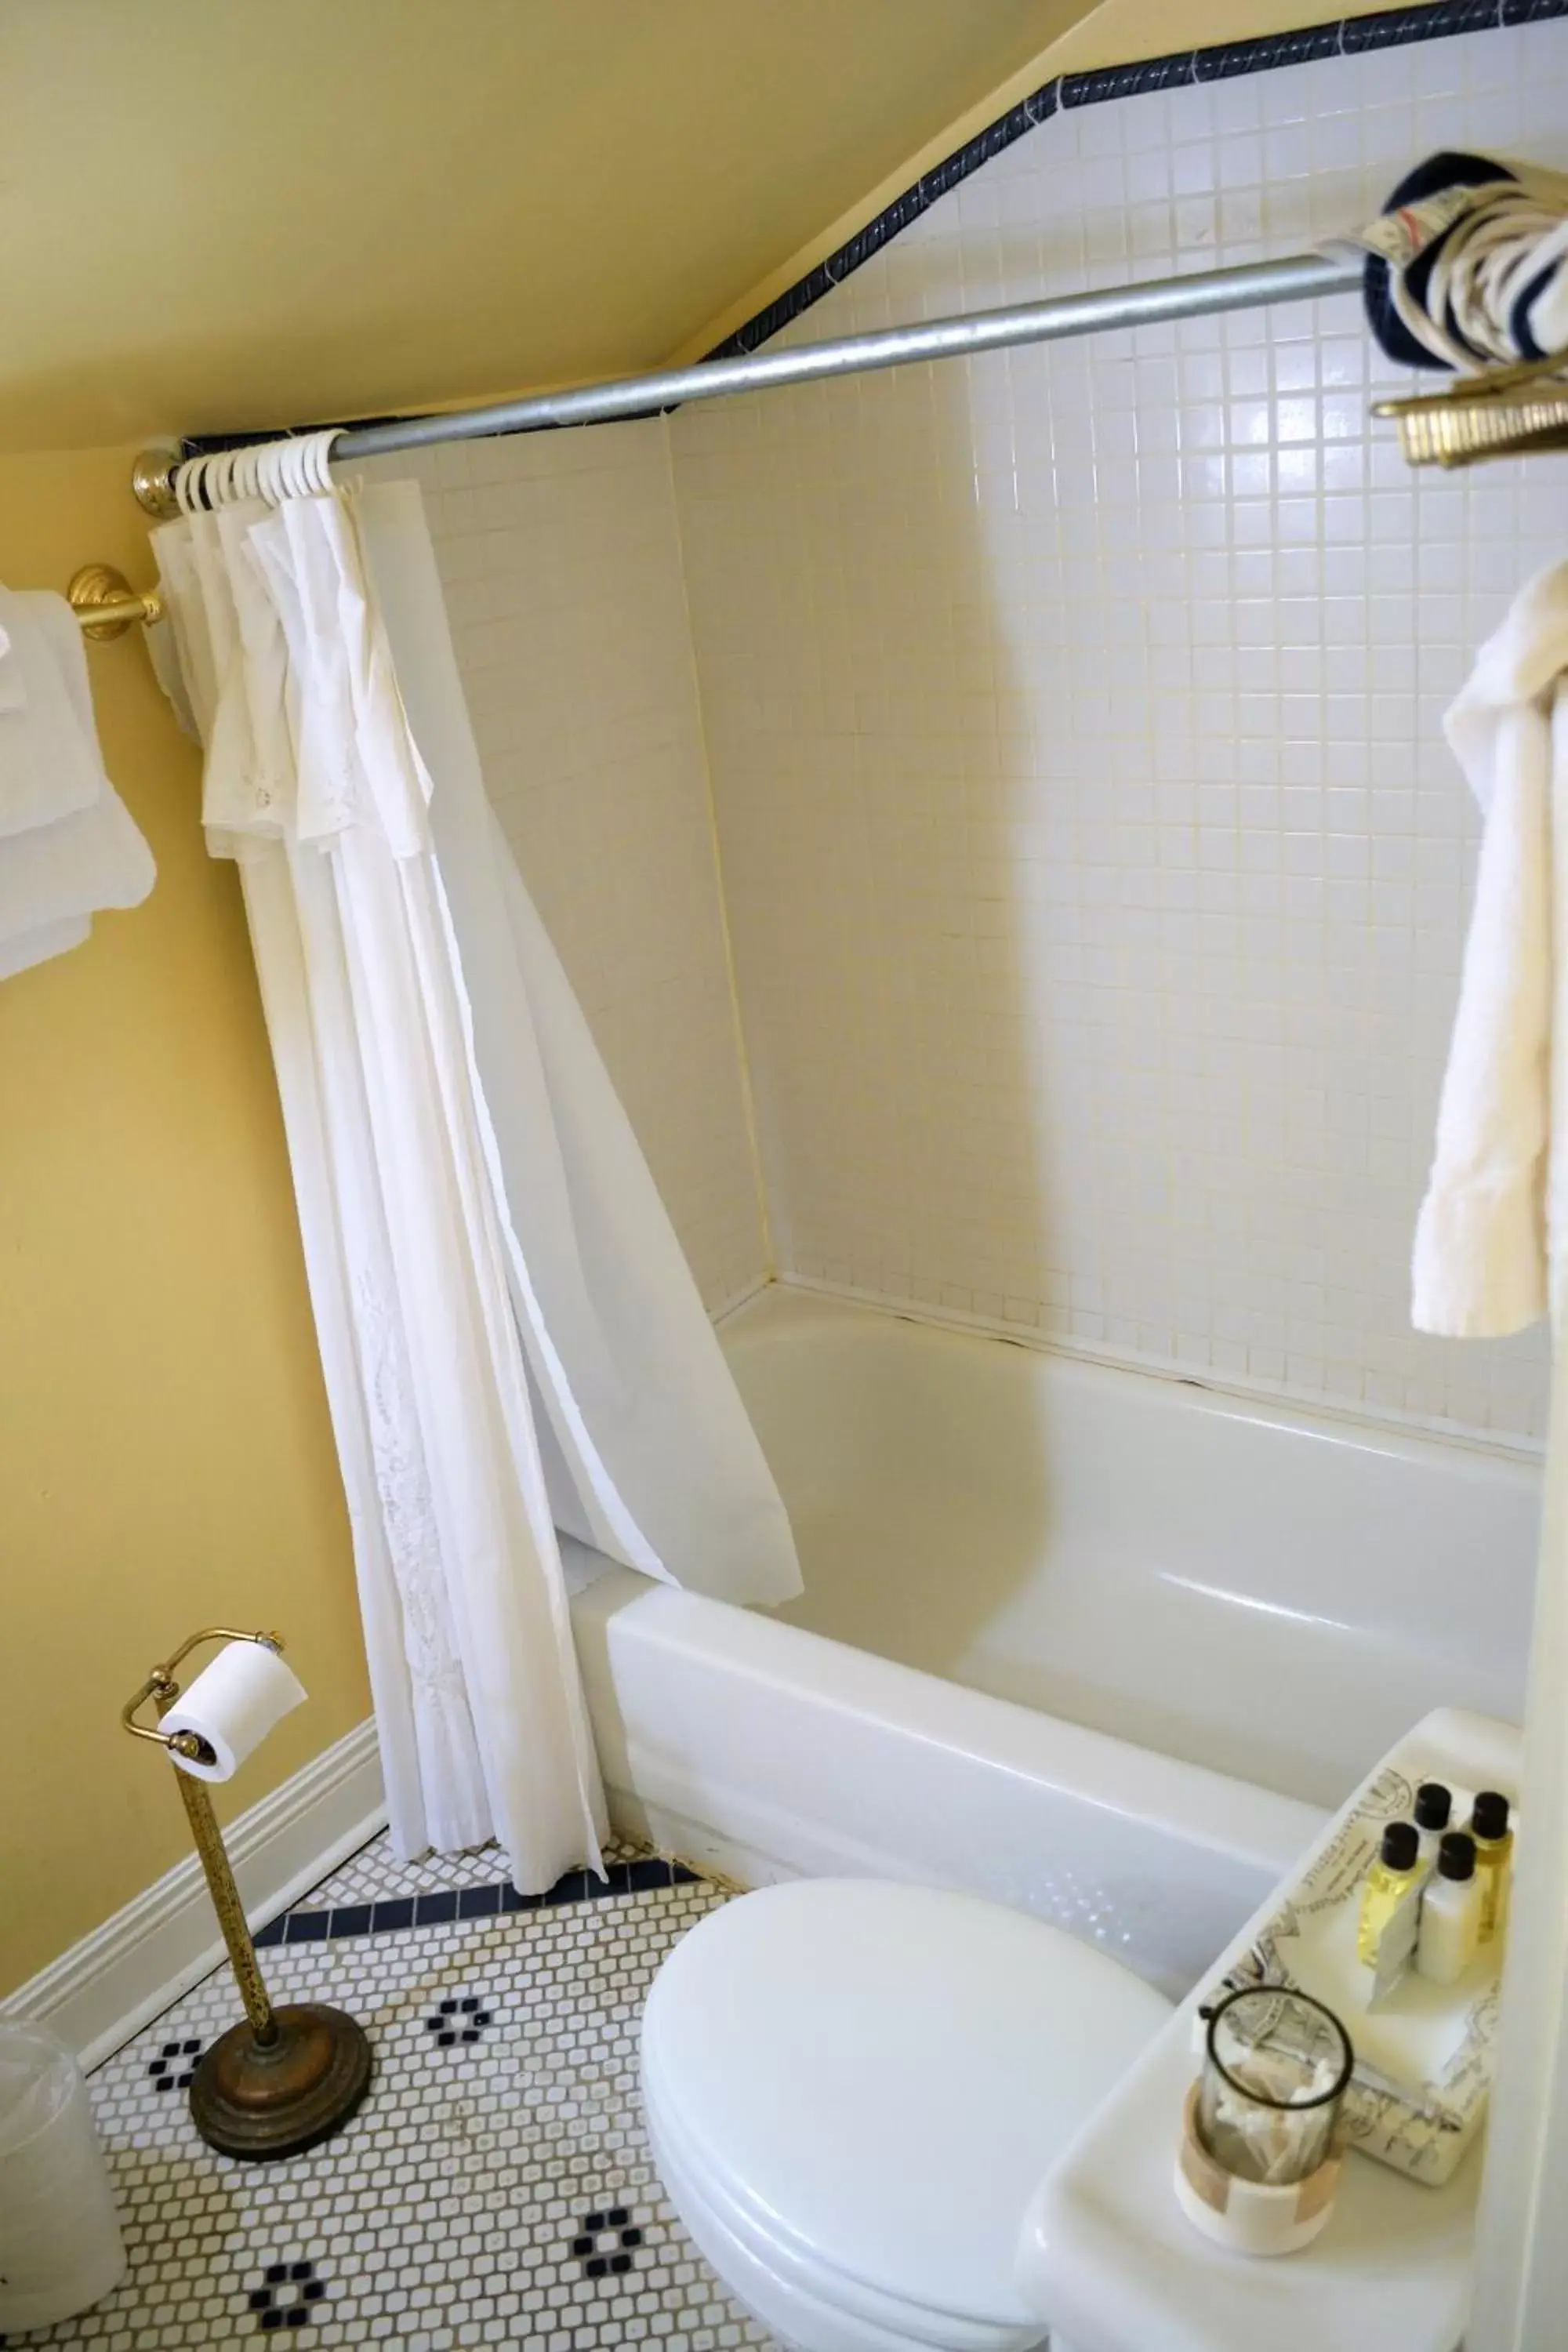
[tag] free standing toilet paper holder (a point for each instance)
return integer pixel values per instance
(285, 2078)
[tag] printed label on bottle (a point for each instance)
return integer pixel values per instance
(1397, 1944)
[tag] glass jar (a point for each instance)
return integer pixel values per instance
(1275, 2064)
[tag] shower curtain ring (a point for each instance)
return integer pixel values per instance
(190, 483)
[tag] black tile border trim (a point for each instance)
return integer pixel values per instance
(1346, 36)
(904, 209)
(498, 1899)
(1341, 36)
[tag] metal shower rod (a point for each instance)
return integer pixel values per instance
(1241, 289)
(1298, 279)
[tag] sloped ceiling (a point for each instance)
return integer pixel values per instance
(221, 214)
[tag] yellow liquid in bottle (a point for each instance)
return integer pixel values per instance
(1385, 1890)
(1494, 1861)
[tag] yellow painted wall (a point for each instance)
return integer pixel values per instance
(165, 1457)
(224, 217)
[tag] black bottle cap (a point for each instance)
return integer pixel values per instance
(1457, 1855)
(1401, 1845)
(1489, 1819)
(1433, 1803)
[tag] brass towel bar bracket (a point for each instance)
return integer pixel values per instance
(106, 604)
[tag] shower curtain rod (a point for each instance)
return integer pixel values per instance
(1245, 287)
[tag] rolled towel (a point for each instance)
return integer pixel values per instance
(1468, 264)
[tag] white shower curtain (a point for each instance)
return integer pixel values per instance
(511, 1338)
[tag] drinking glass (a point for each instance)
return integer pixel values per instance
(1275, 2064)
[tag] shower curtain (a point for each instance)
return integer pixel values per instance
(512, 1341)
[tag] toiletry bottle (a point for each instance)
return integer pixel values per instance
(1451, 1913)
(1392, 1878)
(1494, 1860)
(1433, 1811)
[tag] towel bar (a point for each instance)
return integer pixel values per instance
(106, 604)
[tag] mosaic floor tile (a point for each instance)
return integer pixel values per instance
(496, 2187)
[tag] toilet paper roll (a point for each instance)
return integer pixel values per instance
(233, 1705)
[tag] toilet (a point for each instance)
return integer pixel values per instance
(853, 2088)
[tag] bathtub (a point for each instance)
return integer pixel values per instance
(1102, 1645)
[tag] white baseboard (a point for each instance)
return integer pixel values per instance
(112, 1983)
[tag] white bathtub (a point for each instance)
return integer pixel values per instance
(1099, 1644)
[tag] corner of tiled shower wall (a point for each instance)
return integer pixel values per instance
(560, 562)
(1097, 870)
(1096, 874)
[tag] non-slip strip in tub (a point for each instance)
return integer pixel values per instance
(394, 1914)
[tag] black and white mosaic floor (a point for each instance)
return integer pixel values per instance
(495, 2188)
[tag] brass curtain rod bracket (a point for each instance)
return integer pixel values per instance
(152, 483)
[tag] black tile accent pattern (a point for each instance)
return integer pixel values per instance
(287, 2296)
(499, 1898)
(172, 2070)
(1346, 35)
(1128, 81)
(606, 2243)
(459, 2020)
(938, 182)
(1270, 50)
(1398, 26)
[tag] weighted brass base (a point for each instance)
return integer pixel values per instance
(265, 2099)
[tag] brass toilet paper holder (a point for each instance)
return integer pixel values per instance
(285, 2078)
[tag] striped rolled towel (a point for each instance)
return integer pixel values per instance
(1468, 264)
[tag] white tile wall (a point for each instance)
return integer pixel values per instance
(560, 561)
(1097, 872)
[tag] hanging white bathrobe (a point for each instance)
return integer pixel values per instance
(433, 1323)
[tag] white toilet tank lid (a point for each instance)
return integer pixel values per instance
(881, 2073)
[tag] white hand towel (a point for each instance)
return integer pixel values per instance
(51, 876)
(57, 871)
(28, 947)
(49, 765)
(1480, 1261)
